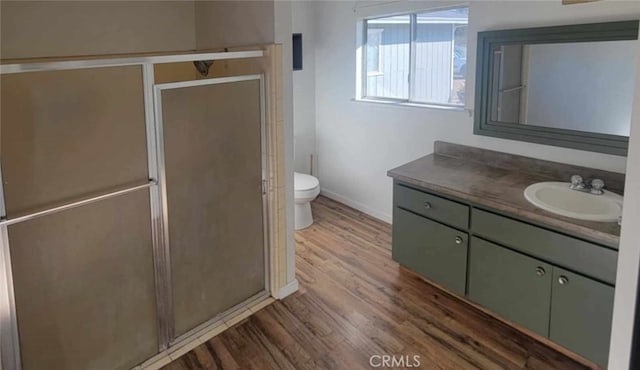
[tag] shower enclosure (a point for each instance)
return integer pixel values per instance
(134, 214)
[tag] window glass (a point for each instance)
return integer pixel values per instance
(431, 68)
(374, 38)
(387, 57)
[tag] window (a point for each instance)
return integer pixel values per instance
(419, 57)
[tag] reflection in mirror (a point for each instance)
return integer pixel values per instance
(580, 86)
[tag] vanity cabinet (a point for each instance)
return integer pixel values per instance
(570, 309)
(431, 249)
(581, 289)
(581, 312)
(432, 206)
(556, 285)
(578, 255)
(511, 284)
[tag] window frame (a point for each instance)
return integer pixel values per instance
(364, 74)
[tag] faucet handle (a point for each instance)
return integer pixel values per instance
(596, 186)
(576, 181)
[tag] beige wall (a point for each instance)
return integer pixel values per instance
(234, 23)
(67, 28)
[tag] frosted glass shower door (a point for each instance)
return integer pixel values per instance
(84, 276)
(213, 156)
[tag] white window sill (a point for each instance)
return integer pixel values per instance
(392, 103)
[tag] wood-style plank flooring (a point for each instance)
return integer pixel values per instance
(355, 302)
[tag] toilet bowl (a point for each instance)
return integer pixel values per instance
(306, 189)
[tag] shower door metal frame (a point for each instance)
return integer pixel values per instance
(158, 89)
(9, 333)
(9, 340)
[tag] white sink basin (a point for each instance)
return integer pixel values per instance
(558, 198)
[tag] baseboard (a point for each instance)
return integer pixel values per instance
(288, 289)
(357, 205)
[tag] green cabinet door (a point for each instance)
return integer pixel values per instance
(433, 250)
(515, 286)
(581, 312)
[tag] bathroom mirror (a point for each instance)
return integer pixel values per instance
(569, 86)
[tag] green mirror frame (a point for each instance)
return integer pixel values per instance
(589, 141)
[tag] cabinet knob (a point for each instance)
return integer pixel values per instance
(540, 271)
(563, 280)
(459, 240)
(427, 205)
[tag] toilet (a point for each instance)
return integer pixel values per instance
(306, 189)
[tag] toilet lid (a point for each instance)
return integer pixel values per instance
(302, 181)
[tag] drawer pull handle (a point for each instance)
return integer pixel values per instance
(458, 240)
(540, 271)
(563, 280)
(427, 205)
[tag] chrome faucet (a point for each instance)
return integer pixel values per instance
(594, 186)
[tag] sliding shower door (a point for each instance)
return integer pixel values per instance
(214, 161)
(77, 217)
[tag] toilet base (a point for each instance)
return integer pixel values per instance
(303, 217)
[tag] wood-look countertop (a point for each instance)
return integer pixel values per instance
(499, 189)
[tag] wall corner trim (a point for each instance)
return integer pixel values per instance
(288, 289)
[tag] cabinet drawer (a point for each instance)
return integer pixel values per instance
(584, 257)
(511, 284)
(433, 250)
(432, 206)
(581, 312)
